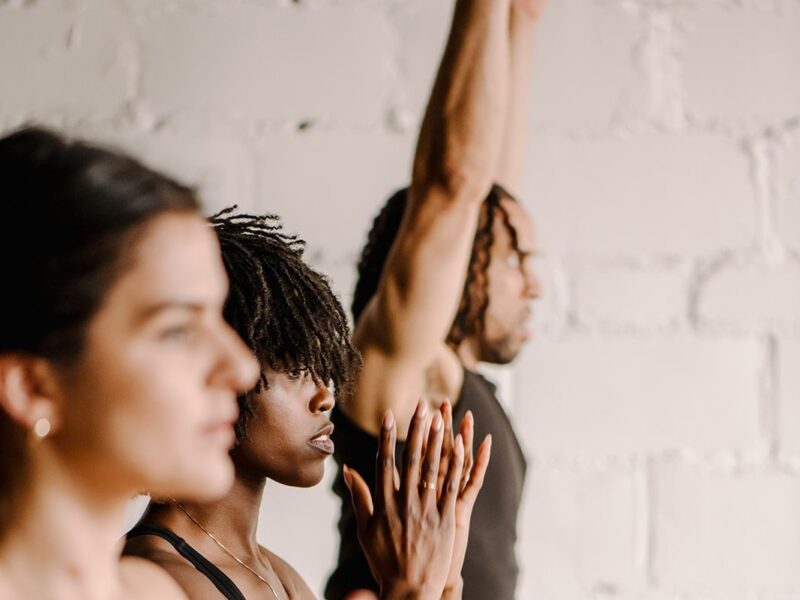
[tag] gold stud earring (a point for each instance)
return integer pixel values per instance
(41, 428)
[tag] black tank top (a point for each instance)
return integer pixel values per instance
(221, 581)
(490, 567)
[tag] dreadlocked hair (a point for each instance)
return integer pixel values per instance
(470, 316)
(284, 310)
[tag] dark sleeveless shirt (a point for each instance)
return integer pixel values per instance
(490, 567)
(221, 581)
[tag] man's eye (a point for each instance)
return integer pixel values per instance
(513, 261)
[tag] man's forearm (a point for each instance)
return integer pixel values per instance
(512, 153)
(460, 139)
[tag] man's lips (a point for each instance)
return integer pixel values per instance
(322, 440)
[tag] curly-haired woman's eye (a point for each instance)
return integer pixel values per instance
(296, 374)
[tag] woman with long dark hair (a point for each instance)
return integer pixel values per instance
(118, 372)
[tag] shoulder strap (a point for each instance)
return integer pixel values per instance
(221, 581)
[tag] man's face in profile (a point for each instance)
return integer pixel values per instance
(511, 286)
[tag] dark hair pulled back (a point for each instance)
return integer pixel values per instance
(469, 318)
(70, 215)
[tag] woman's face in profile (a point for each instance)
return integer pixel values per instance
(152, 400)
(287, 437)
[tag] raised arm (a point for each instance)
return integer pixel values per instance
(406, 324)
(524, 14)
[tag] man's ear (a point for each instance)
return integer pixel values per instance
(28, 392)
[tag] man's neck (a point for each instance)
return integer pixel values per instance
(467, 353)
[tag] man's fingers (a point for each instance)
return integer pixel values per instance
(384, 467)
(475, 484)
(430, 468)
(413, 451)
(360, 496)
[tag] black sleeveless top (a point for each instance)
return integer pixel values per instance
(490, 567)
(221, 581)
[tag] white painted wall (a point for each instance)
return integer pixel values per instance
(660, 404)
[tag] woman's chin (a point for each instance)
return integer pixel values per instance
(302, 478)
(207, 486)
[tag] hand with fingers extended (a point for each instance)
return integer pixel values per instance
(408, 533)
(470, 485)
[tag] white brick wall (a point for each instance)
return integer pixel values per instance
(741, 65)
(597, 396)
(726, 535)
(660, 402)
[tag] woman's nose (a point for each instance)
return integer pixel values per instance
(322, 400)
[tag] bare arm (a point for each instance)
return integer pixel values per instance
(524, 14)
(405, 325)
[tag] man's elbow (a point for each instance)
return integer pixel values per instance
(458, 180)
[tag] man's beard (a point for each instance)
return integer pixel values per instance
(499, 351)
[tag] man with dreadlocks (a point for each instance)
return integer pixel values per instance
(445, 282)
(288, 316)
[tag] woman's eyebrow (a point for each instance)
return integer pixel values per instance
(154, 309)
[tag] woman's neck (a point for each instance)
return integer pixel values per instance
(232, 520)
(64, 543)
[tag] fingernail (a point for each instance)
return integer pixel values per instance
(437, 422)
(422, 408)
(489, 441)
(388, 419)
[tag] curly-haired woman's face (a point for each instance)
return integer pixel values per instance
(152, 399)
(288, 435)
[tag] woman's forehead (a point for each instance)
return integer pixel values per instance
(177, 257)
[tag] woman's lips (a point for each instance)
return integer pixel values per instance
(322, 441)
(224, 432)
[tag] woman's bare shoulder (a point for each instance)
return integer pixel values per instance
(162, 558)
(292, 580)
(142, 578)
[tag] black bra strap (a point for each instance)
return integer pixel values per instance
(221, 581)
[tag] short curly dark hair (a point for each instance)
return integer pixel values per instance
(469, 319)
(284, 310)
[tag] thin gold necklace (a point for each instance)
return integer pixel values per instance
(228, 552)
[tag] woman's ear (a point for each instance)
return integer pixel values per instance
(28, 393)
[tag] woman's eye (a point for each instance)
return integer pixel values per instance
(297, 374)
(179, 333)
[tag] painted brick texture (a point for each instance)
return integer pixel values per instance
(659, 403)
